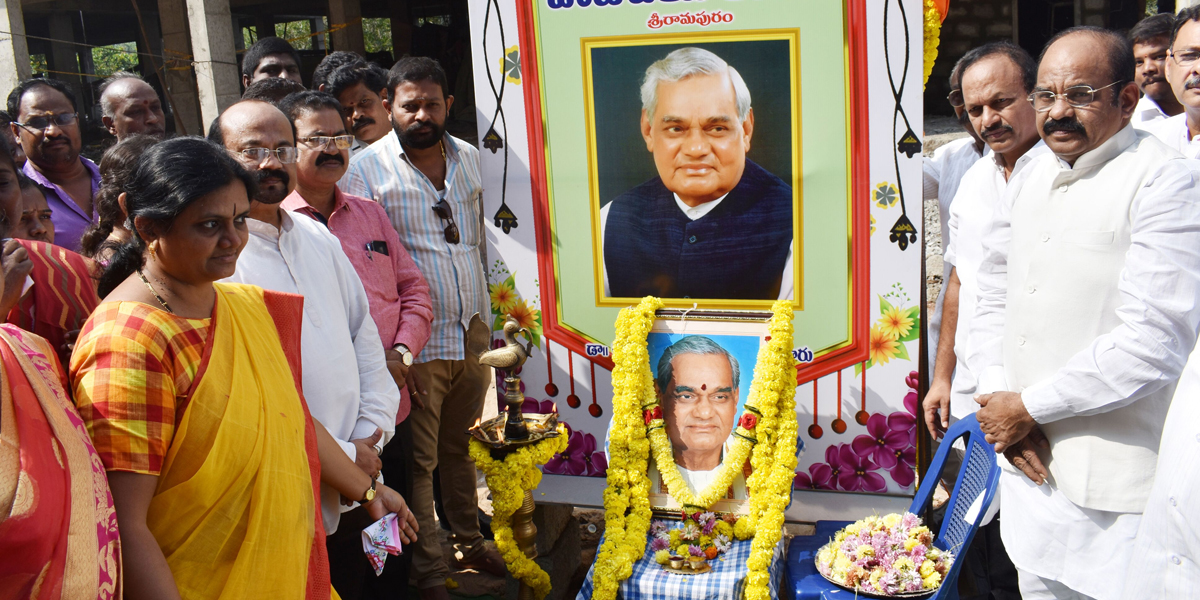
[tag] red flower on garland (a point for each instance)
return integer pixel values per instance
(748, 421)
(651, 415)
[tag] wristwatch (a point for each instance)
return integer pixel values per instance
(370, 493)
(406, 355)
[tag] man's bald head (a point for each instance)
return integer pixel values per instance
(250, 125)
(130, 106)
(1075, 60)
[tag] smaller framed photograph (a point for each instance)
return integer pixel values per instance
(702, 373)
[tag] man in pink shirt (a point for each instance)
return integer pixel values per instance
(399, 299)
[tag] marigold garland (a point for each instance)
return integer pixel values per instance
(933, 29)
(520, 466)
(762, 436)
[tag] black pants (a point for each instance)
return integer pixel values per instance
(349, 570)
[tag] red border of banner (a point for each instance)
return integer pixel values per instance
(857, 350)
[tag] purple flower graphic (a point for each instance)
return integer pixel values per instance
(818, 477)
(855, 473)
(580, 458)
(906, 461)
(532, 406)
(881, 443)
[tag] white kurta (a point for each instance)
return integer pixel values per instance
(1166, 556)
(346, 382)
(980, 191)
(1147, 113)
(1173, 132)
(1088, 307)
(941, 175)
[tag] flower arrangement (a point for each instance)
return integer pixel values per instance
(933, 30)
(519, 467)
(889, 555)
(766, 435)
(703, 535)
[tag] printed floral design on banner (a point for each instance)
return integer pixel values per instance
(580, 457)
(890, 445)
(510, 65)
(506, 302)
(885, 195)
(896, 326)
(872, 224)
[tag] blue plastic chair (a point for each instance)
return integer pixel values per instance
(980, 475)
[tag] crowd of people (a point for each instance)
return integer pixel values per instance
(1071, 304)
(225, 356)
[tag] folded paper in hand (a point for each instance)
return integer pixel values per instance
(380, 539)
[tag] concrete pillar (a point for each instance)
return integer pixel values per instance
(349, 37)
(1182, 4)
(317, 25)
(63, 55)
(178, 72)
(217, 77)
(14, 51)
(401, 16)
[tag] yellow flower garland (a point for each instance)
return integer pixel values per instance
(933, 29)
(768, 440)
(521, 466)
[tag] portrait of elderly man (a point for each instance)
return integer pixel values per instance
(712, 223)
(697, 385)
(130, 106)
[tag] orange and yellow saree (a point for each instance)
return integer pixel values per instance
(237, 511)
(58, 531)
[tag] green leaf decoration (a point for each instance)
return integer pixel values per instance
(902, 352)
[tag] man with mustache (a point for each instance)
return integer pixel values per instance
(297, 255)
(428, 182)
(1182, 131)
(362, 90)
(1086, 315)
(1151, 38)
(46, 122)
(400, 306)
(131, 106)
(996, 80)
(712, 224)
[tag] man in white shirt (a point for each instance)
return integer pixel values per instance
(1151, 38)
(346, 381)
(1086, 314)
(941, 175)
(1182, 131)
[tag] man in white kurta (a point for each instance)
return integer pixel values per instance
(1086, 314)
(347, 385)
(1182, 131)
(1151, 38)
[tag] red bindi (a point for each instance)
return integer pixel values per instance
(704, 386)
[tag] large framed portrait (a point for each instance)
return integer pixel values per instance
(702, 373)
(694, 180)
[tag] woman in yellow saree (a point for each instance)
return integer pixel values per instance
(190, 390)
(58, 531)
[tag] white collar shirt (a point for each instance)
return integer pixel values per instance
(357, 146)
(1048, 534)
(1173, 131)
(1166, 555)
(1147, 113)
(346, 382)
(457, 286)
(981, 189)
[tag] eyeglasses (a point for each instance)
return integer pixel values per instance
(955, 98)
(1185, 58)
(342, 142)
(286, 154)
(1077, 96)
(443, 212)
(39, 123)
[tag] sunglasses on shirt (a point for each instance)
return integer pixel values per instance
(443, 212)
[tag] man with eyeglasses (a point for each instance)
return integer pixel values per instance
(346, 381)
(1151, 40)
(1182, 131)
(1086, 315)
(362, 88)
(942, 171)
(46, 122)
(400, 306)
(429, 184)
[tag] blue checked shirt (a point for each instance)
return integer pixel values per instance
(457, 284)
(726, 580)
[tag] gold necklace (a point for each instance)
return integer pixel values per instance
(156, 296)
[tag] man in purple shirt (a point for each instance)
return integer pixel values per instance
(46, 123)
(400, 306)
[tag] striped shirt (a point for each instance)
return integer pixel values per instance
(457, 287)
